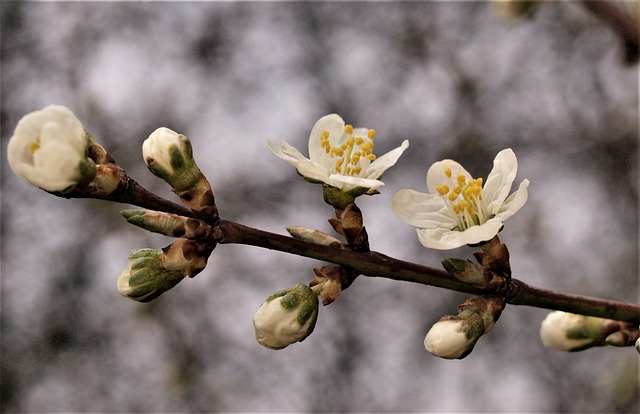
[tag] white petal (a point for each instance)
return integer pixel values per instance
(514, 202)
(421, 210)
(334, 125)
(437, 177)
(285, 152)
(498, 184)
(347, 182)
(314, 171)
(440, 238)
(384, 162)
(445, 239)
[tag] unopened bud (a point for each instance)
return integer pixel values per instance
(286, 317)
(453, 337)
(313, 236)
(145, 279)
(152, 272)
(570, 332)
(171, 225)
(169, 156)
(49, 149)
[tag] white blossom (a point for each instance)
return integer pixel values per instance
(339, 155)
(49, 150)
(459, 209)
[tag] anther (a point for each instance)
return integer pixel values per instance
(348, 129)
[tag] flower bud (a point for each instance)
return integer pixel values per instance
(49, 150)
(286, 317)
(171, 225)
(313, 236)
(570, 332)
(638, 345)
(169, 155)
(152, 272)
(453, 337)
(145, 279)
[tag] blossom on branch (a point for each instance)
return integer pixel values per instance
(286, 317)
(459, 209)
(340, 156)
(49, 150)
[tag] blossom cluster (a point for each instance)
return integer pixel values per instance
(52, 150)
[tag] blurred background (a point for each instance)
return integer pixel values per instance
(457, 79)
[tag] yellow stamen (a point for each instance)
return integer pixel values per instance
(442, 189)
(348, 157)
(35, 146)
(447, 172)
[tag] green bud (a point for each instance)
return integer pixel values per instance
(145, 279)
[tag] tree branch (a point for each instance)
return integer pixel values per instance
(623, 24)
(375, 264)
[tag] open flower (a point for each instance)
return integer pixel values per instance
(459, 209)
(340, 156)
(49, 150)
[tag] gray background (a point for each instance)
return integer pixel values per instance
(453, 78)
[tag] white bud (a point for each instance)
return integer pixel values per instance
(286, 317)
(169, 156)
(49, 150)
(447, 339)
(570, 332)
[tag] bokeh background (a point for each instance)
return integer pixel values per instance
(456, 79)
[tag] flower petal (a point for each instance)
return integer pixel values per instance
(421, 210)
(437, 177)
(445, 239)
(500, 179)
(314, 171)
(384, 162)
(514, 202)
(284, 151)
(334, 125)
(440, 238)
(347, 182)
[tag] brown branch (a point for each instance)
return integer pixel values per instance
(374, 264)
(378, 265)
(623, 24)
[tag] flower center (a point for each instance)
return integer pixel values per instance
(464, 200)
(352, 155)
(35, 145)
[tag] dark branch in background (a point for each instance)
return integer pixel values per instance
(623, 24)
